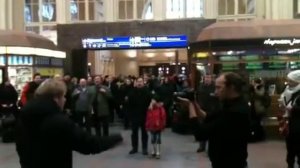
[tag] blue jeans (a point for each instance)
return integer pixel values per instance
(156, 137)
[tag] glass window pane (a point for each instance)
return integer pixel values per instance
(230, 7)
(48, 10)
(242, 6)
(194, 8)
(33, 29)
(250, 6)
(49, 28)
(149, 12)
(222, 7)
(81, 10)
(142, 7)
(74, 10)
(99, 10)
(175, 9)
(91, 10)
(122, 14)
(27, 14)
(129, 9)
(35, 12)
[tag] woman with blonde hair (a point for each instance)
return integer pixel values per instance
(46, 137)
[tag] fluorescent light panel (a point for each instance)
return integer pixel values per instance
(32, 51)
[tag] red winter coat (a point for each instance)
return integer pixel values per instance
(156, 119)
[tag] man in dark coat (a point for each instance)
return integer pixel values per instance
(46, 137)
(207, 101)
(227, 130)
(139, 100)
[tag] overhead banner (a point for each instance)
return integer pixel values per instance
(130, 42)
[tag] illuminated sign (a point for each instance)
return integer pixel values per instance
(173, 41)
(290, 42)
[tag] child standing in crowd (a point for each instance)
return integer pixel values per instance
(155, 123)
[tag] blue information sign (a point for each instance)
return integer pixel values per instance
(172, 41)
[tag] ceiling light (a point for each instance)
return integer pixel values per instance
(131, 54)
(169, 54)
(150, 55)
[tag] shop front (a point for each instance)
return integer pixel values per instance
(23, 54)
(21, 68)
(254, 49)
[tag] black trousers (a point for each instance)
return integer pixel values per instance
(134, 136)
(84, 119)
(293, 152)
(125, 111)
(232, 164)
(102, 124)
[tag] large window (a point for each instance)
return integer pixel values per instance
(125, 9)
(86, 10)
(40, 17)
(236, 7)
(40, 11)
(134, 9)
(184, 8)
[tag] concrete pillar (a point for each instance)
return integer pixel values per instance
(268, 9)
(62, 11)
(3, 14)
(260, 9)
(110, 10)
(275, 9)
(159, 9)
(18, 22)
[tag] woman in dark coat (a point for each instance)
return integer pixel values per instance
(8, 98)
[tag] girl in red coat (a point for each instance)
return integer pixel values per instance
(155, 123)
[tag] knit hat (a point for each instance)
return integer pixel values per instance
(294, 76)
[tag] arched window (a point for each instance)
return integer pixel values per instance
(148, 10)
(184, 8)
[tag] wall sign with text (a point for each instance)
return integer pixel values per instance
(290, 42)
(128, 42)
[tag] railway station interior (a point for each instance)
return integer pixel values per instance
(176, 47)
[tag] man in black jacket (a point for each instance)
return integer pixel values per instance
(226, 130)
(139, 100)
(46, 137)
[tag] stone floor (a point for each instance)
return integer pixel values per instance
(177, 152)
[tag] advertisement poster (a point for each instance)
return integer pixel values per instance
(49, 72)
(19, 76)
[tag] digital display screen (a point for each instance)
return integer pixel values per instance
(277, 65)
(229, 58)
(254, 65)
(128, 42)
(227, 67)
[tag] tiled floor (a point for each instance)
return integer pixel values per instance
(177, 152)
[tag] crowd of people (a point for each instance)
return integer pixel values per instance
(226, 112)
